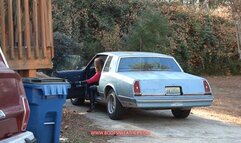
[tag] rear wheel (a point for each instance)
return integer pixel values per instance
(77, 101)
(114, 108)
(181, 113)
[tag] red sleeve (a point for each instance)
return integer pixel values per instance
(94, 79)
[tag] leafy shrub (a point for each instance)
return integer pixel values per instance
(149, 33)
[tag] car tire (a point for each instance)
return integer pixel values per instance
(181, 113)
(114, 108)
(77, 101)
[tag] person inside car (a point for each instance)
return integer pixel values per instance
(93, 82)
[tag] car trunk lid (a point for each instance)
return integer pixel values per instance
(163, 83)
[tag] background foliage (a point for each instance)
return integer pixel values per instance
(202, 42)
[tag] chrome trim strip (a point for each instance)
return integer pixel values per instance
(24, 114)
(194, 94)
(2, 114)
(126, 97)
(4, 60)
(189, 94)
(153, 94)
(190, 100)
(169, 100)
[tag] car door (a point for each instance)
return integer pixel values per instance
(102, 82)
(90, 68)
(73, 76)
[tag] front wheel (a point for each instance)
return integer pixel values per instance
(114, 108)
(181, 113)
(77, 101)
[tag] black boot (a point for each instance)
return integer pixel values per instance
(92, 99)
(92, 107)
(90, 110)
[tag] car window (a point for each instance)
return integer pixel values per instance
(147, 64)
(107, 65)
(103, 57)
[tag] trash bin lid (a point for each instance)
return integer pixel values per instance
(43, 80)
(49, 86)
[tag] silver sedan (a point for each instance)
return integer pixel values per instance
(143, 80)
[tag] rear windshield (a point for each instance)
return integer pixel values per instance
(147, 64)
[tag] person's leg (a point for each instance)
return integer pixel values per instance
(87, 90)
(92, 91)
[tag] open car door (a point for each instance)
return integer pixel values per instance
(77, 93)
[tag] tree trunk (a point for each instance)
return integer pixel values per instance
(238, 34)
(236, 11)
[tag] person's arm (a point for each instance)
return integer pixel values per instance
(94, 79)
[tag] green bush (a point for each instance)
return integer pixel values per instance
(149, 33)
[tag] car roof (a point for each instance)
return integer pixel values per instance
(135, 54)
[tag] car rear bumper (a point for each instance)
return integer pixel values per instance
(25, 137)
(166, 102)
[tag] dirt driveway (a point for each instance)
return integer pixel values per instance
(227, 99)
(218, 123)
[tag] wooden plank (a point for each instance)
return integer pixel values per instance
(27, 28)
(46, 23)
(41, 63)
(10, 24)
(39, 29)
(3, 36)
(50, 27)
(33, 63)
(35, 25)
(19, 25)
(43, 32)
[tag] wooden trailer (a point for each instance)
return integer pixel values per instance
(27, 35)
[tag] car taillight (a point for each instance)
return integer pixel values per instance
(206, 88)
(137, 89)
(26, 113)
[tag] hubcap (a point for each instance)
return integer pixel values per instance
(111, 103)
